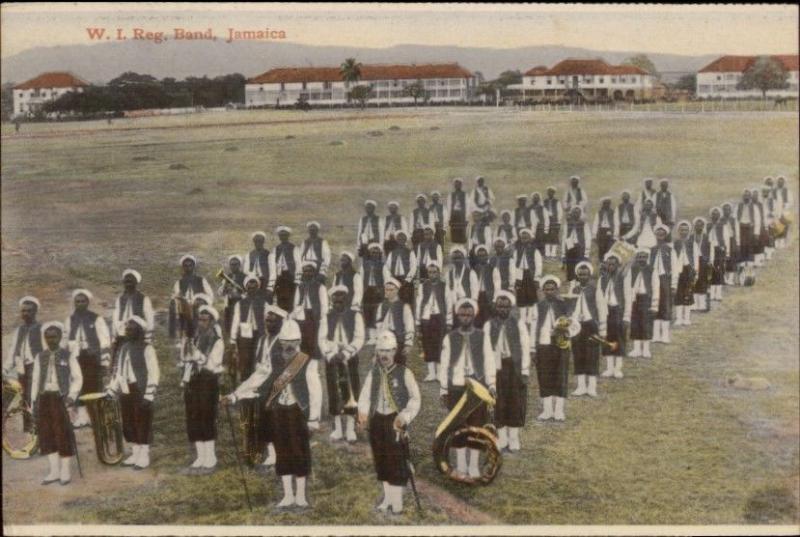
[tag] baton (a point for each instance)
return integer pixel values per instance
(72, 441)
(407, 461)
(238, 456)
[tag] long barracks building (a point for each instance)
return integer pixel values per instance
(324, 86)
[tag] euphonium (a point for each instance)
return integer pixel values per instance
(561, 333)
(481, 438)
(106, 421)
(19, 427)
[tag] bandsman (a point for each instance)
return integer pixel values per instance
(401, 264)
(785, 207)
(749, 220)
(89, 341)
(388, 403)
(341, 337)
(261, 264)
(247, 326)
(503, 260)
(576, 241)
(666, 266)
(510, 342)
(539, 222)
(605, 227)
(771, 217)
(761, 238)
(626, 214)
(703, 260)
(576, 196)
(643, 232)
(182, 310)
(372, 278)
(351, 280)
(369, 228)
(684, 298)
(462, 282)
(522, 213)
(466, 353)
(287, 269)
(617, 303)
(202, 366)
(135, 380)
(589, 311)
(482, 197)
(719, 236)
(421, 216)
(505, 229)
(527, 262)
(479, 232)
(395, 316)
(232, 294)
(392, 223)
(131, 302)
(427, 252)
(316, 249)
(642, 284)
(488, 285)
(55, 384)
(555, 215)
(26, 343)
(434, 317)
(734, 254)
(647, 193)
(666, 205)
(458, 209)
(439, 211)
(552, 361)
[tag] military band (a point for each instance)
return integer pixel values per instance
(486, 316)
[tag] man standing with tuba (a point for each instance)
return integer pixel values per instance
(551, 331)
(341, 336)
(511, 344)
(202, 365)
(55, 384)
(289, 379)
(136, 379)
(388, 402)
(466, 353)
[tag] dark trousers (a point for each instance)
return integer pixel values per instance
(586, 353)
(291, 438)
(718, 268)
(308, 335)
(664, 298)
(284, 291)
(553, 233)
(438, 235)
(552, 370)
(512, 396)
(485, 309)
(336, 374)
(526, 289)
(90, 369)
(458, 228)
(684, 294)
(137, 416)
(249, 411)
(615, 331)
(572, 257)
(703, 277)
(641, 318)
(229, 315)
(52, 428)
(417, 236)
(373, 296)
(246, 348)
(433, 331)
(478, 418)
(746, 242)
(266, 420)
(387, 451)
(201, 397)
(624, 228)
(604, 241)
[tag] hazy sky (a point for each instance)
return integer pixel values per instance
(691, 30)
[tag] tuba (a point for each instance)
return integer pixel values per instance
(19, 426)
(106, 421)
(561, 333)
(481, 438)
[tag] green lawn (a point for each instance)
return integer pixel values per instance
(667, 445)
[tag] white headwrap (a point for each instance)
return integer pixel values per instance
(308, 263)
(133, 273)
(661, 226)
(313, 223)
(700, 219)
(31, 299)
(237, 257)
(684, 222)
(52, 324)
(210, 310)
(280, 312)
(393, 204)
(505, 294)
(84, 292)
(457, 248)
(250, 278)
(204, 297)
(188, 256)
(392, 281)
(609, 255)
(370, 202)
(585, 264)
(138, 320)
(469, 302)
(338, 289)
(258, 234)
(348, 254)
(422, 197)
(386, 341)
(287, 229)
(550, 278)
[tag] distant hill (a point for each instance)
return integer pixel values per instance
(101, 62)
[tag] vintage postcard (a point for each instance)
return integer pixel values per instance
(400, 269)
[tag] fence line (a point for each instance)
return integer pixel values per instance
(691, 107)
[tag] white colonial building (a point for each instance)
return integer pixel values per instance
(30, 96)
(586, 80)
(323, 86)
(720, 77)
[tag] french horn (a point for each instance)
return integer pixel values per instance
(481, 438)
(104, 414)
(20, 440)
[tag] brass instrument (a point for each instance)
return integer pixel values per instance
(106, 419)
(624, 250)
(351, 404)
(561, 333)
(20, 440)
(290, 372)
(481, 438)
(610, 345)
(220, 275)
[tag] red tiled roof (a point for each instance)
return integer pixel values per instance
(585, 67)
(368, 72)
(60, 79)
(740, 64)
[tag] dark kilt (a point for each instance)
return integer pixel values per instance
(664, 298)
(291, 438)
(478, 418)
(684, 295)
(552, 370)
(246, 348)
(605, 241)
(458, 227)
(539, 237)
(642, 318)
(90, 369)
(417, 236)
(201, 397)
(284, 291)
(433, 331)
(387, 452)
(485, 309)
(308, 335)
(615, 331)
(406, 292)
(553, 234)
(265, 424)
(337, 386)
(585, 353)
(572, 257)
(747, 240)
(760, 240)
(512, 396)
(137, 416)
(526, 289)
(373, 296)
(718, 268)
(703, 276)
(51, 425)
(438, 235)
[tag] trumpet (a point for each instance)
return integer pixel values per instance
(220, 275)
(610, 345)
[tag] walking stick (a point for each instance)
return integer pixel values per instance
(238, 456)
(72, 441)
(407, 462)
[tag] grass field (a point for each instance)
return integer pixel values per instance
(667, 445)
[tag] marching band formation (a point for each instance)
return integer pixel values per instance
(484, 317)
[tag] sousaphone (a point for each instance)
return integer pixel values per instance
(19, 426)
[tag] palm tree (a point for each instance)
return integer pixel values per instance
(350, 70)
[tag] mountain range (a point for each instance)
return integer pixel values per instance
(99, 63)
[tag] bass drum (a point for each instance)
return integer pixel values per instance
(19, 426)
